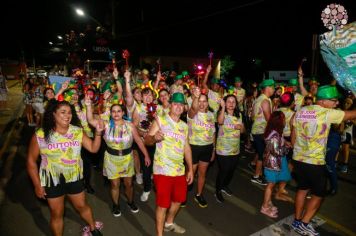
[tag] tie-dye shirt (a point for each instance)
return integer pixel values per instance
(312, 126)
(228, 140)
(259, 121)
(201, 129)
(240, 94)
(288, 113)
(214, 100)
(299, 99)
(60, 156)
(169, 155)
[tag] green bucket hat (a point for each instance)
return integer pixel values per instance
(178, 98)
(267, 83)
(293, 82)
(185, 73)
(237, 79)
(178, 77)
(327, 92)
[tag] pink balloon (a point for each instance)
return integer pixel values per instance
(341, 8)
(332, 5)
(340, 16)
(333, 12)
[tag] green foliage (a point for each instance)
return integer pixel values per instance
(226, 65)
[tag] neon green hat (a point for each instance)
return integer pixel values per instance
(327, 92)
(267, 83)
(178, 98)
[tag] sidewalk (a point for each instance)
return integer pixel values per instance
(14, 108)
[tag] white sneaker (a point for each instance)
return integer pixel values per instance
(144, 196)
(139, 179)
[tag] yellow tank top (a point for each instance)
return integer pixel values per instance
(259, 121)
(201, 129)
(60, 156)
(119, 137)
(169, 155)
(228, 140)
(161, 111)
(288, 113)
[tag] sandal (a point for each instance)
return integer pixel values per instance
(273, 208)
(268, 212)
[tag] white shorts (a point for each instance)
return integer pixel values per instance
(38, 107)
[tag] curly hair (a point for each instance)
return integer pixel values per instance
(49, 122)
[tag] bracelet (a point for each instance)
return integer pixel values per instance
(98, 134)
(300, 74)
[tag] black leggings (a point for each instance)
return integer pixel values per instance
(147, 171)
(227, 166)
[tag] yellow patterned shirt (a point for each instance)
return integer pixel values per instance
(299, 99)
(214, 100)
(228, 140)
(288, 113)
(259, 121)
(169, 155)
(202, 129)
(312, 126)
(60, 156)
(240, 96)
(161, 111)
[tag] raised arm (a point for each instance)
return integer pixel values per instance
(206, 76)
(158, 78)
(115, 74)
(195, 103)
(62, 89)
(129, 97)
(303, 90)
(221, 115)
(88, 104)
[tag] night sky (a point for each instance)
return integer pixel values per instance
(278, 32)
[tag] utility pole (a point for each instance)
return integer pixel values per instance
(314, 68)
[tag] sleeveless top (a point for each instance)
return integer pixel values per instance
(120, 137)
(169, 155)
(228, 140)
(60, 156)
(259, 121)
(201, 129)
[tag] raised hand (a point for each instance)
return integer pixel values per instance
(87, 100)
(115, 73)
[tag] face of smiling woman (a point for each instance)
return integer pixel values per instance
(63, 116)
(116, 113)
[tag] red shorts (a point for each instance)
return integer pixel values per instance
(170, 189)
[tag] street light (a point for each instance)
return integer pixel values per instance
(81, 13)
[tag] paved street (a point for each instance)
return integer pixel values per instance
(21, 213)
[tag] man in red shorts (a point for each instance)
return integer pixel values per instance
(170, 134)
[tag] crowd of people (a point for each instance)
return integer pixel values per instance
(165, 130)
